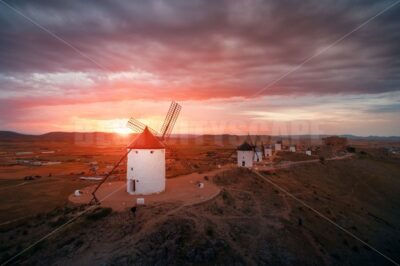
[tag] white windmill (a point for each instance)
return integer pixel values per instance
(146, 156)
(245, 154)
(145, 172)
(268, 151)
(278, 145)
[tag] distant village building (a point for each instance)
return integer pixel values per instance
(146, 165)
(245, 155)
(278, 145)
(268, 151)
(308, 152)
(258, 154)
(292, 148)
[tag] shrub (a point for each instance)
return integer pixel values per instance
(228, 199)
(210, 231)
(351, 149)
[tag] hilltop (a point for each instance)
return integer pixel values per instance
(251, 222)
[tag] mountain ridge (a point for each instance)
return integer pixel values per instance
(7, 135)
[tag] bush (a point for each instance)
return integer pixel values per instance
(351, 149)
(228, 199)
(210, 231)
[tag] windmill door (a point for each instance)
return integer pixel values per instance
(132, 185)
(243, 163)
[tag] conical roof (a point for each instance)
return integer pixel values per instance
(146, 140)
(245, 147)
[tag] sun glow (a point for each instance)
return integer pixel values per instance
(118, 126)
(123, 131)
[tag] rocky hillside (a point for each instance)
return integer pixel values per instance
(249, 223)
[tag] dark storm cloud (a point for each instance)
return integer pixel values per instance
(388, 108)
(226, 48)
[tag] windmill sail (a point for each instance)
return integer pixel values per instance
(170, 120)
(138, 126)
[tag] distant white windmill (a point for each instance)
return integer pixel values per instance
(245, 155)
(278, 145)
(146, 156)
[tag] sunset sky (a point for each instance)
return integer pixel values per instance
(266, 67)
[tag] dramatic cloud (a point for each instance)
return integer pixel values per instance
(63, 53)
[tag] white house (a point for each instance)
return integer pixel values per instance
(268, 151)
(308, 152)
(278, 145)
(245, 155)
(146, 165)
(292, 148)
(258, 154)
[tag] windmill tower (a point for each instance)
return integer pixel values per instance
(146, 165)
(278, 145)
(268, 148)
(245, 154)
(268, 151)
(292, 148)
(146, 156)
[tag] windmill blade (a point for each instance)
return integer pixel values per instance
(94, 198)
(254, 144)
(250, 140)
(170, 120)
(256, 154)
(138, 126)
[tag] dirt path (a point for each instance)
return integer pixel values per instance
(183, 190)
(289, 164)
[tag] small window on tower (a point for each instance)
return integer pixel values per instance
(151, 151)
(136, 152)
(131, 168)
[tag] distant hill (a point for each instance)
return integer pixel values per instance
(11, 135)
(76, 136)
(380, 138)
(69, 137)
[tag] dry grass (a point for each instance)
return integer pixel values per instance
(249, 223)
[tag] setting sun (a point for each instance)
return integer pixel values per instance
(123, 131)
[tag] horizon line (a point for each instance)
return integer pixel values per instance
(194, 134)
